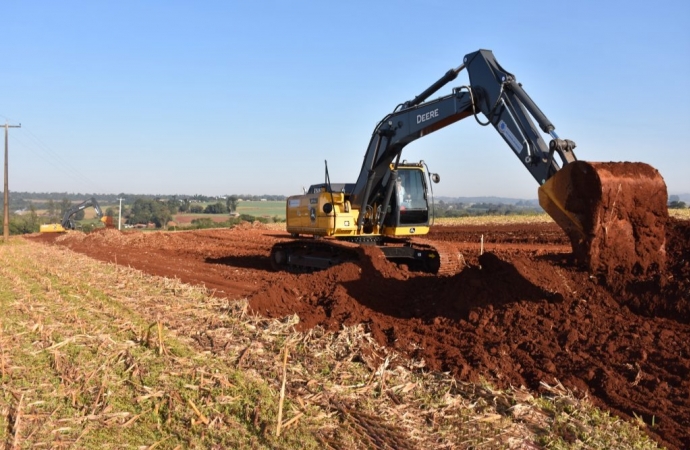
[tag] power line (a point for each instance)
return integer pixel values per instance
(54, 158)
(43, 151)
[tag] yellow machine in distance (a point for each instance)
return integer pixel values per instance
(69, 224)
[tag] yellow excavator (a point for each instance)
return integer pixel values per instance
(330, 220)
(68, 222)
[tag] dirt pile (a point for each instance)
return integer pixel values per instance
(520, 314)
(519, 319)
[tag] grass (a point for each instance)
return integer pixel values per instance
(262, 209)
(680, 213)
(94, 355)
(503, 219)
(528, 218)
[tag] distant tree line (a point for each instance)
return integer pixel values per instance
(451, 209)
(674, 202)
(41, 200)
(160, 212)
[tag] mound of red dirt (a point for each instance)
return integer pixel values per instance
(519, 314)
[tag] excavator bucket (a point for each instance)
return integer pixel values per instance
(108, 221)
(614, 213)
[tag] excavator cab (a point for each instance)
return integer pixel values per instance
(409, 206)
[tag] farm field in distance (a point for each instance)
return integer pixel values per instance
(268, 210)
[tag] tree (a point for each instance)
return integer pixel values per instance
(173, 204)
(33, 217)
(65, 205)
(51, 208)
(216, 208)
(231, 203)
(675, 203)
(147, 210)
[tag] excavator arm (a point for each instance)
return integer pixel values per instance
(67, 222)
(596, 204)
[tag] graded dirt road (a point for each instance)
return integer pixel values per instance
(521, 313)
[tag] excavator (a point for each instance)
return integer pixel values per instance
(329, 221)
(69, 224)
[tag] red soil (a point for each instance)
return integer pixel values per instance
(521, 313)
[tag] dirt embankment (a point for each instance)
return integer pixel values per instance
(521, 313)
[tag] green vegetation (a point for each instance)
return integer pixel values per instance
(262, 208)
(674, 202)
(149, 211)
(456, 209)
(208, 222)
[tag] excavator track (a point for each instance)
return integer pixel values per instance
(448, 260)
(308, 255)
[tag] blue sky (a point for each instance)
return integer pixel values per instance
(230, 97)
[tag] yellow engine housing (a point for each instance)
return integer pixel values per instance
(306, 214)
(52, 228)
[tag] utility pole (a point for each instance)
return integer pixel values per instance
(6, 222)
(119, 217)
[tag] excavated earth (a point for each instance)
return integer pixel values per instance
(522, 312)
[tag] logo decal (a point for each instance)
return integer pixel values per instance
(509, 136)
(430, 115)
